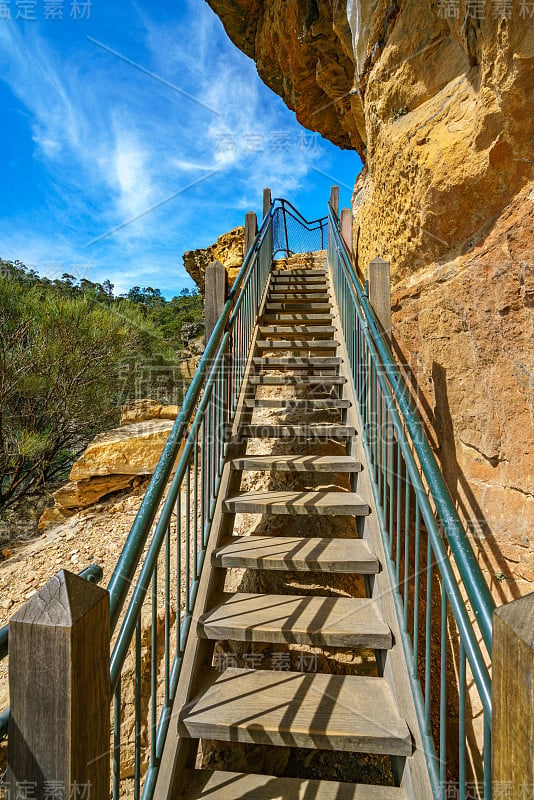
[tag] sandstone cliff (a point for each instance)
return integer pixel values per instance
(438, 99)
(228, 249)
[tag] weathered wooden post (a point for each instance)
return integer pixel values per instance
(214, 296)
(267, 200)
(513, 699)
(59, 685)
(380, 292)
(251, 229)
(346, 227)
(334, 200)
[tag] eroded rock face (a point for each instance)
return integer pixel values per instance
(228, 249)
(437, 98)
(440, 109)
(132, 449)
(465, 331)
(115, 461)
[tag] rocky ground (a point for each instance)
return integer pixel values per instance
(97, 534)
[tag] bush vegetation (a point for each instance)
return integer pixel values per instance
(70, 354)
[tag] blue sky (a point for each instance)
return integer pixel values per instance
(111, 172)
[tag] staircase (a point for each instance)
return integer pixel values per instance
(297, 370)
(297, 612)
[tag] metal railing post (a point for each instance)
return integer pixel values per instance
(60, 691)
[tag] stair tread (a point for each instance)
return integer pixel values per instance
(290, 305)
(335, 712)
(320, 272)
(297, 380)
(298, 554)
(317, 502)
(219, 785)
(296, 330)
(308, 318)
(289, 463)
(300, 431)
(299, 292)
(296, 619)
(295, 404)
(298, 344)
(297, 361)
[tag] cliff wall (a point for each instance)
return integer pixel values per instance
(438, 100)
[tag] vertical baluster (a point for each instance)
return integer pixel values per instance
(400, 462)
(167, 610)
(210, 458)
(417, 544)
(461, 722)
(153, 667)
(443, 696)
(428, 635)
(406, 544)
(178, 568)
(392, 466)
(187, 537)
(117, 741)
(195, 505)
(202, 481)
(137, 766)
(487, 759)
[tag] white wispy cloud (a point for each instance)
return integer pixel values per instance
(150, 149)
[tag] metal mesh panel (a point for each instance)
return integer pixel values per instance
(293, 235)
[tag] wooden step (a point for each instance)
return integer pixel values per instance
(316, 431)
(299, 291)
(218, 785)
(308, 503)
(308, 273)
(307, 294)
(290, 463)
(292, 619)
(278, 278)
(297, 344)
(298, 554)
(297, 362)
(321, 331)
(330, 712)
(297, 380)
(289, 317)
(293, 404)
(301, 308)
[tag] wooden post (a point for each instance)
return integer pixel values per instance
(59, 687)
(251, 229)
(380, 292)
(214, 296)
(346, 227)
(513, 699)
(267, 200)
(334, 200)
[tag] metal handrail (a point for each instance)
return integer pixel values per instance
(476, 587)
(196, 451)
(288, 211)
(383, 403)
(128, 562)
